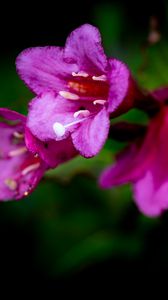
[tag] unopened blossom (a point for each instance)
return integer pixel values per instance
(144, 163)
(77, 89)
(20, 171)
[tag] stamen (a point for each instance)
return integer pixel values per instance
(81, 74)
(82, 112)
(17, 152)
(11, 184)
(68, 95)
(18, 135)
(30, 168)
(59, 129)
(100, 78)
(26, 193)
(101, 102)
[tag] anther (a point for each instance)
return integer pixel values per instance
(80, 74)
(83, 113)
(17, 152)
(11, 184)
(101, 102)
(30, 168)
(68, 95)
(100, 78)
(26, 193)
(59, 129)
(18, 135)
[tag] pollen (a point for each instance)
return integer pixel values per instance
(78, 87)
(11, 184)
(68, 95)
(59, 129)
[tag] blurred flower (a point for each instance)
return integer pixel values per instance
(77, 89)
(20, 171)
(145, 163)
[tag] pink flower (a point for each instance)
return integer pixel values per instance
(20, 171)
(145, 164)
(77, 89)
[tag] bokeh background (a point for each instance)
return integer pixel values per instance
(68, 230)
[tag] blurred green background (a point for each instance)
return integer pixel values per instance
(69, 228)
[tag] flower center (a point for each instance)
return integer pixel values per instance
(94, 87)
(83, 87)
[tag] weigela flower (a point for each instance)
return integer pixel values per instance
(20, 171)
(145, 163)
(77, 89)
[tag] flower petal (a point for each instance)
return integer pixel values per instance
(20, 171)
(83, 47)
(12, 115)
(151, 189)
(121, 90)
(43, 69)
(131, 164)
(45, 111)
(151, 201)
(52, 152)
(160, 94)
(90, 137)
(121, 171)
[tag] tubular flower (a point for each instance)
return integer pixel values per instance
(144, 163)
(20, 170)
(77, 89)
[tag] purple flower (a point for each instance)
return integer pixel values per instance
(145, 164)
(20, 171)
(77, 89)
(53, 153)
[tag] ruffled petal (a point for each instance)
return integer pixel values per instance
(52, 152)
(121, 90)
(47, 110)
(44, 69)
(90, 137)
(83, 47)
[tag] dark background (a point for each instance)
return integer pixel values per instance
(30, 24)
